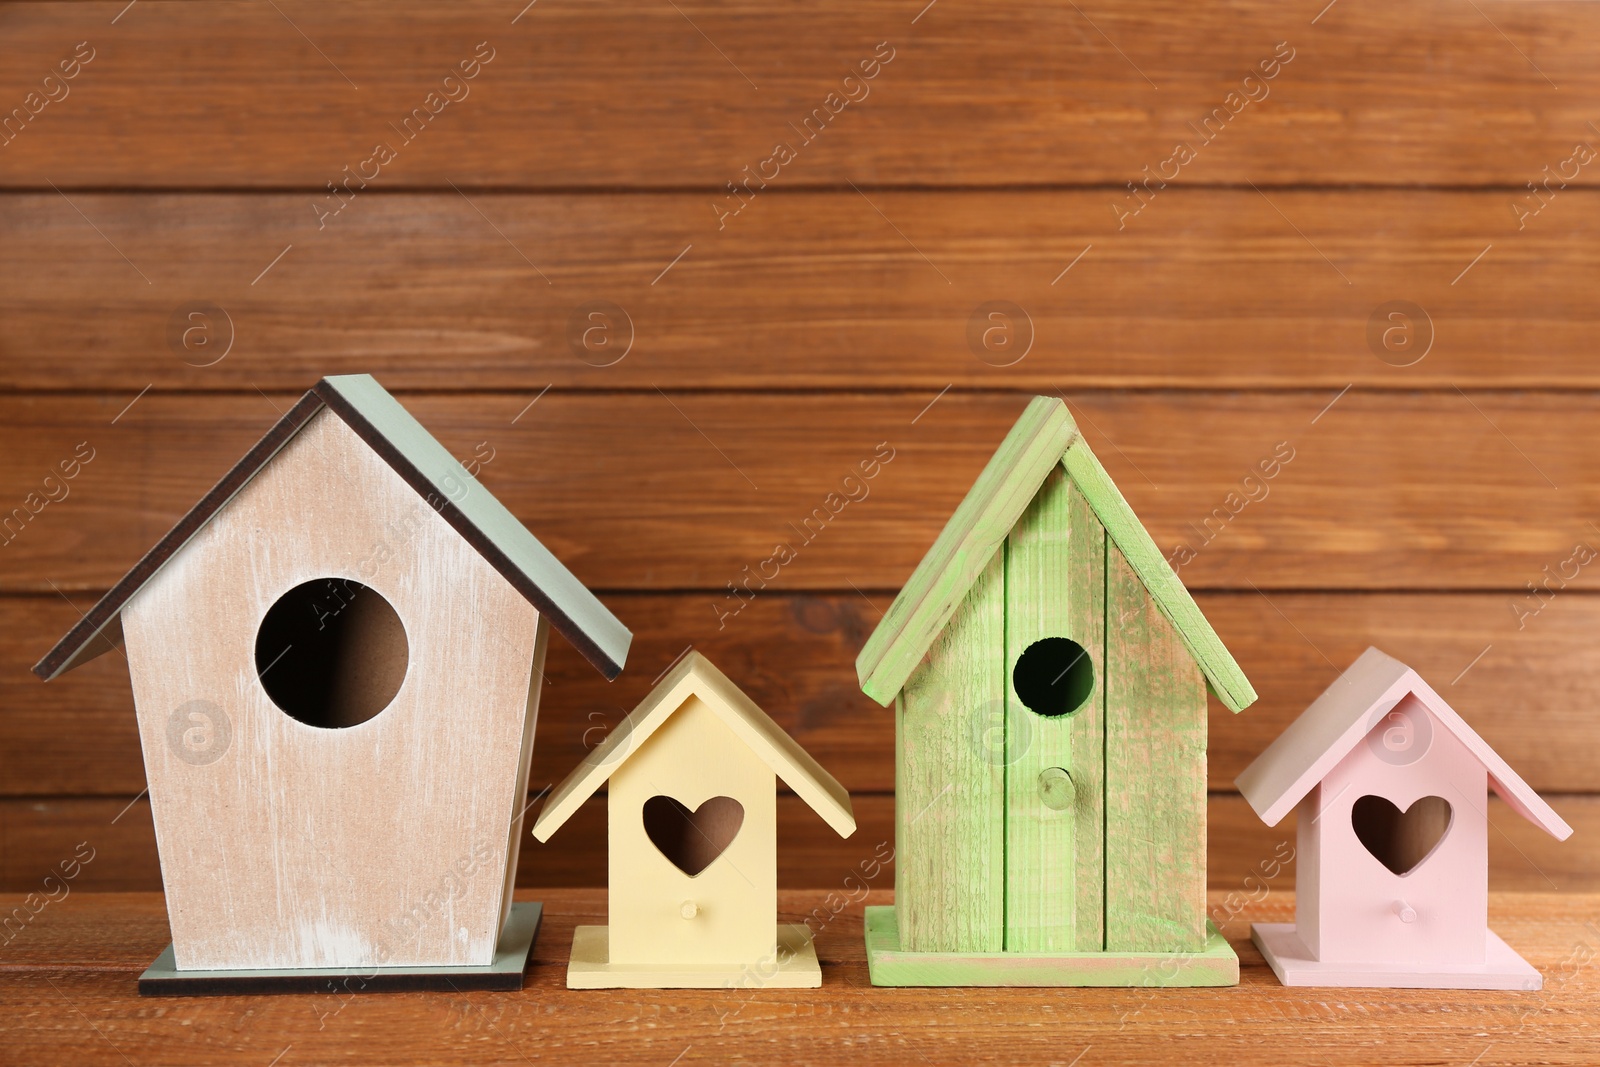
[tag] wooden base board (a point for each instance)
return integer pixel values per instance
(1292, 963)
(163, 979)
(793, 967)
(1214, 965)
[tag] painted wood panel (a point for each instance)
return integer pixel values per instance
(530, 724)
(950, 782)
(1013, 92)
(1210, 288)
(692, 757)
(1054, 766)
(1247, 861)
(1155, 775)
(1353, 913)
(289, 845)
(793, 653)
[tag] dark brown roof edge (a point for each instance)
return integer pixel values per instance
(109, 605)
(464, 526)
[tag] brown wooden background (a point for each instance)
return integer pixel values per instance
(179, 173)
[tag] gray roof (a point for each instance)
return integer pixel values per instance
(425, 465)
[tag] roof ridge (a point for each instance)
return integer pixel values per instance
(974, 532)
(480, 518)
(69, 652)
(696, 675)
(1348, 710)
(359, 401)
(1044, 436)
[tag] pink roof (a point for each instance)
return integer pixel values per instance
(1346, 712)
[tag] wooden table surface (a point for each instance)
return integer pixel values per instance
(68, 995)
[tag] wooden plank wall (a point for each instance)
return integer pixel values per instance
(677, 277)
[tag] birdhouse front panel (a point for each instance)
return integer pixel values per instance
(334, 703)
(950, 782)
(1400, 829)
(692, 813)
(1054, 560)
(1051, 763)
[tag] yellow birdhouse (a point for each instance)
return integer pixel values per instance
(693, 841)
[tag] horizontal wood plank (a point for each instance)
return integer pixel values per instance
(1527, 690)
(1214, 288)
(40, 836)
(1362, 490)
(633, 94)
(72, 998)
(794, 655)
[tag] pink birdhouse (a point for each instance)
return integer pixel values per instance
(1391, 787)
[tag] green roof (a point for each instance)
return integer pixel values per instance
(1044, 436)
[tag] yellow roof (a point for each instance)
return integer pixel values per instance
(694, 675)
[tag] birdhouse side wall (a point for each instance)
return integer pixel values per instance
(1358, 910)
(530, 723)
(728, 913)
(287, 845)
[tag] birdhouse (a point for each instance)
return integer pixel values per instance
(692, 824)
(1390, 788)
(336, 659)
(1048, 672)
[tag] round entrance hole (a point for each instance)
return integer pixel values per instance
(331, 653)
(1054, 676)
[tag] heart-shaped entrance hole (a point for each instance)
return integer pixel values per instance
(1400, 840)
(692, 840)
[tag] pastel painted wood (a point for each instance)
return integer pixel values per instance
(335, 661)
(890, 964)
(1054, 819)
(950, 780)
(1049, 676)
(692, 839)
(1391, 790)
(964, 548)
(1155, 769)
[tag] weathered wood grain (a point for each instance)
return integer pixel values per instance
(1208, 287)
(74, 1001)
(950, 781)
(1243, 854)
(409, 805)
(1147, 562)
(1055, 814)
(1415, 490)
(809, 288)
(77, 735)
(1155, 773)
(39, 835)
(642, 94)
(889, 965)
(965, 547)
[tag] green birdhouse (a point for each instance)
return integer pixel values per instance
(1048, 672)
